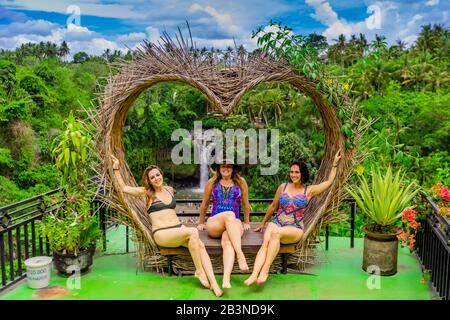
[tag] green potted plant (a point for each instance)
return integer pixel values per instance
(382, 201)
(71, 226)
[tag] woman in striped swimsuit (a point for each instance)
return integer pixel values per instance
(287, 227)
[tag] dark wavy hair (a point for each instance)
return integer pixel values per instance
(304, 172)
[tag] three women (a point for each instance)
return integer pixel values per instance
(229, 191)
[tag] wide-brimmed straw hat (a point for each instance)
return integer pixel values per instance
(215, 165)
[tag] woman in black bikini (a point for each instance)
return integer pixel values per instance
(167, 229)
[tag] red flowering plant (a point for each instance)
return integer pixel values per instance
(410, 226)
(439, 193)
(412, 220)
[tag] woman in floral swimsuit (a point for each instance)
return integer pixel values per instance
(228, 191)
(287, 225)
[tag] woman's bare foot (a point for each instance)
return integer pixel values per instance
(201, 276)
(242, 263)
(250, 280)
(262, 277)
(226, 283)
(217, 291)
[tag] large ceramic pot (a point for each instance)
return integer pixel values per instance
(68, 264)
(380, 250)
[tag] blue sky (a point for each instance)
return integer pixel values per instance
(95, 25)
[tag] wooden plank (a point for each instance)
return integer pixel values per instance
(251, 242)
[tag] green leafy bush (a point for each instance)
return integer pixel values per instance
(44, 174)
(14, 110)
(71, 228)
(384, 199)
(73, 225)
(10, 192)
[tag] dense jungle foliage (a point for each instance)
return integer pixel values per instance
(404, 89)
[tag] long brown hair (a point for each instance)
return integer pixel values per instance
(149, 190)
(235, 176)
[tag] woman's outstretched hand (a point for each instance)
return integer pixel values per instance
(337, 157)
(246, 226)
(201, 226)
(115, 162)
(260, 227)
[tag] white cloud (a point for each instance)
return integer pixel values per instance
(78, 33)
(153, 34)
(37, 27)
(132, 37)
(410, 39)
(431, 3)
(78, 38)
(416, 18)
(223, 20)
(323, 12)
(86, 8)
(94, 46)
(392, 19)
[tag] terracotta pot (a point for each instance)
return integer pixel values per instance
(380, 251)
(67, 263)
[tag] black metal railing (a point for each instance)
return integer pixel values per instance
(20, 240)
(18, 237)
(433, 249)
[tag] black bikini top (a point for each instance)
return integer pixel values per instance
(159, 205)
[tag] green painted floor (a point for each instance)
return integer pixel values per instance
(114, 276)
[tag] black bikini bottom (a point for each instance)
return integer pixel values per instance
(159, 229)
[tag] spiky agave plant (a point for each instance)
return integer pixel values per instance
(384, 199)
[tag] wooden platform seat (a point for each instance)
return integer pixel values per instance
(251, 242)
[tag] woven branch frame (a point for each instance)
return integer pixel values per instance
(223, 84)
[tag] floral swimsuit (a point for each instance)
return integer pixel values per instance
(291, 210)
(226, 199)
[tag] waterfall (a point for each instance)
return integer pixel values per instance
(203, 149)
(202, 153)
(203, 168)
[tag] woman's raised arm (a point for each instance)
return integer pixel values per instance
(134, 191)
(314, 190)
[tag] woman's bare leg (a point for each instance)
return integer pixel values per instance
(261, 255)
(194, 246)
(217, 224)
(278, 235)
(187, 237)
(207, 265)
(228, 260)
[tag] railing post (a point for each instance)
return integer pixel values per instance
(2, 258)
(352, 224)
(102, 213)
(126, 244)
(169, 265)
(284, 257)
(327, 234)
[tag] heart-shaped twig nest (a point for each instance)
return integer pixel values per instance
(224, 83)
